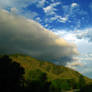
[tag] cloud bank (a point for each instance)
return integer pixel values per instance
(21, 35)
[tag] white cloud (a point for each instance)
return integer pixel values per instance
(46, 25)
(50, 10)
(86, 57)
(74, 5)
(68, 12)
(14, 10)
(84, 34)
(68, 35)
(17, 7)
(74, 64)
(41, 3)
(20, 35)
(81, 39)
(76, 35)
(38, 19)
(86, 69)
(63, 19)
(89, 34)
(56, 18)
(52, 0)
(28, 14)
(21, 4)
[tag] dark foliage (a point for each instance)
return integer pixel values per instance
(37, 82)
(11, 75)
(81, 82)
(11, 78)
(87, 88)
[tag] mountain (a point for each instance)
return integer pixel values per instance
(38, 73)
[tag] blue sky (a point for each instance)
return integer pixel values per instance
(58, 14)
(70, 19)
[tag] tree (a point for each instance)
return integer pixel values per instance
(87, 88)
(11, 75)
(37, 82)
(81, 82)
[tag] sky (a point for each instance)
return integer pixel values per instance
(55, 30)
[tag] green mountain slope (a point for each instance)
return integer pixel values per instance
(53, 71)
(38, 72)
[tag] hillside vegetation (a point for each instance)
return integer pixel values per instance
(42, 76)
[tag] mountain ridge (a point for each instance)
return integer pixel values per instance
(45, 66)
(41, 74)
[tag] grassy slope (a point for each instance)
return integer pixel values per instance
(53, 71)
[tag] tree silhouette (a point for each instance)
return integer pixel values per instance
(82, 81)
(11, 78)
(37, 82)
(11, 75)
(87, 88)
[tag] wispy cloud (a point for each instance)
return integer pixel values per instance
(41, 3)
(74, 5)
(76, 35)
(68, 12)
(50, 10)
(82, 39)
(74, 64)
(20, 4)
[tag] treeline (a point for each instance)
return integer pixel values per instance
(12, 79)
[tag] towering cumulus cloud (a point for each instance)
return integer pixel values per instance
(20, 35)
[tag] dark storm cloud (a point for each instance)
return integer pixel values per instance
(20, 35)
